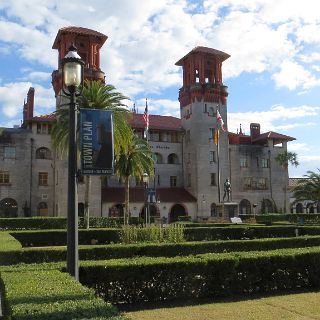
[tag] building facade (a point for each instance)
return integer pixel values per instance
(194, 156)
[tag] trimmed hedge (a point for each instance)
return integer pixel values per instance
(308, 218)
(61, 223)
(51, 294)
(39, 238)
(118, 251)
(246, 232)
(33, 223)
(42, 238)
(210, 275)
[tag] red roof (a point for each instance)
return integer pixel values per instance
(44, 117)
(156, 122)
(80, 31)
(205, 50)
(175, 195)
(277, 137)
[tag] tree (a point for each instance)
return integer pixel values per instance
(95, 95)
(308, 188)
(283, 159)
(135, 159)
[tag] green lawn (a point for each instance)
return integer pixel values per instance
(300, 306)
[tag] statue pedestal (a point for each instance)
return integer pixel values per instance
(227, 210)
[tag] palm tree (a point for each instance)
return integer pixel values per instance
(95, 95)
(135, 159)
(308, 188)
(283, 159)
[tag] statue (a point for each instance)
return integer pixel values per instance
(227, 189)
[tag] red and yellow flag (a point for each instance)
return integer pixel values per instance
(216, 137)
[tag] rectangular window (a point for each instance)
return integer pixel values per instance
(163, 136)
(189, 180)
(173, 181)
(10, 152)
(243, 162)
(247, 182)
(154, 135)
(158, 180)
(212, 132)
(43, 128)
(205, 109)
(213, 179)
(4, 177)
(212, 156)
(188, 136)
(265, 163)
(189, 158)
(43, 179)
(262, 183)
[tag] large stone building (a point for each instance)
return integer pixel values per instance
(190, 169)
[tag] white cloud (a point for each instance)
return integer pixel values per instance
(12, 96)
(269, 120)
(293, 76)
(295, 146)
(163, 107)
(37, 76)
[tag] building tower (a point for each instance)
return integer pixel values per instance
(201, 95)
(88, 43)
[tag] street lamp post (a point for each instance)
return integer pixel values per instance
(72, 80)
(145, 179)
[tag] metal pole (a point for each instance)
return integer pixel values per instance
(72, 232)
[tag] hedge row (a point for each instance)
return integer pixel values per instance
(246, 232)
(118, 251)
(159, 279)
(40, 238)
(50, 294)
(61, 223)
(310, 218)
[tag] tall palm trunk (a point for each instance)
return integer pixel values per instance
(126, 201)
(87, 200)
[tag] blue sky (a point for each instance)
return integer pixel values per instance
(273, 73)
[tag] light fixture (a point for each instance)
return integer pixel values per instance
(72, 82)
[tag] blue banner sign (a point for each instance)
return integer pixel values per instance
(96, 142)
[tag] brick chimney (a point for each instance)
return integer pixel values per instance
(254, 130)
(29, 105)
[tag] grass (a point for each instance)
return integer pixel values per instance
(301, 306)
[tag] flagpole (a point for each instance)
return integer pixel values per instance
(218, 156)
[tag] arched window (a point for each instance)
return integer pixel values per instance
(116, 211)
(173, 158)
(8, 208)
(158, 157)
(213, 210)
(245, 206)
(80, 209)
(177, 211)
(43, 153)
(267, 206)
(299, 208)
(42, 209)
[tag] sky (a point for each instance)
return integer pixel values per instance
(273, 74)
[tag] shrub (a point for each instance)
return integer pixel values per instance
(158, 279)
(247, 232)
(116, 251)
(51, 294)
(40, 238)
(33, 223)
(154, 233)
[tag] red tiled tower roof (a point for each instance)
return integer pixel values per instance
(156, 122)
(80, 31)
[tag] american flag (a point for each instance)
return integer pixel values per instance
(220, 120)
(146, 119)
